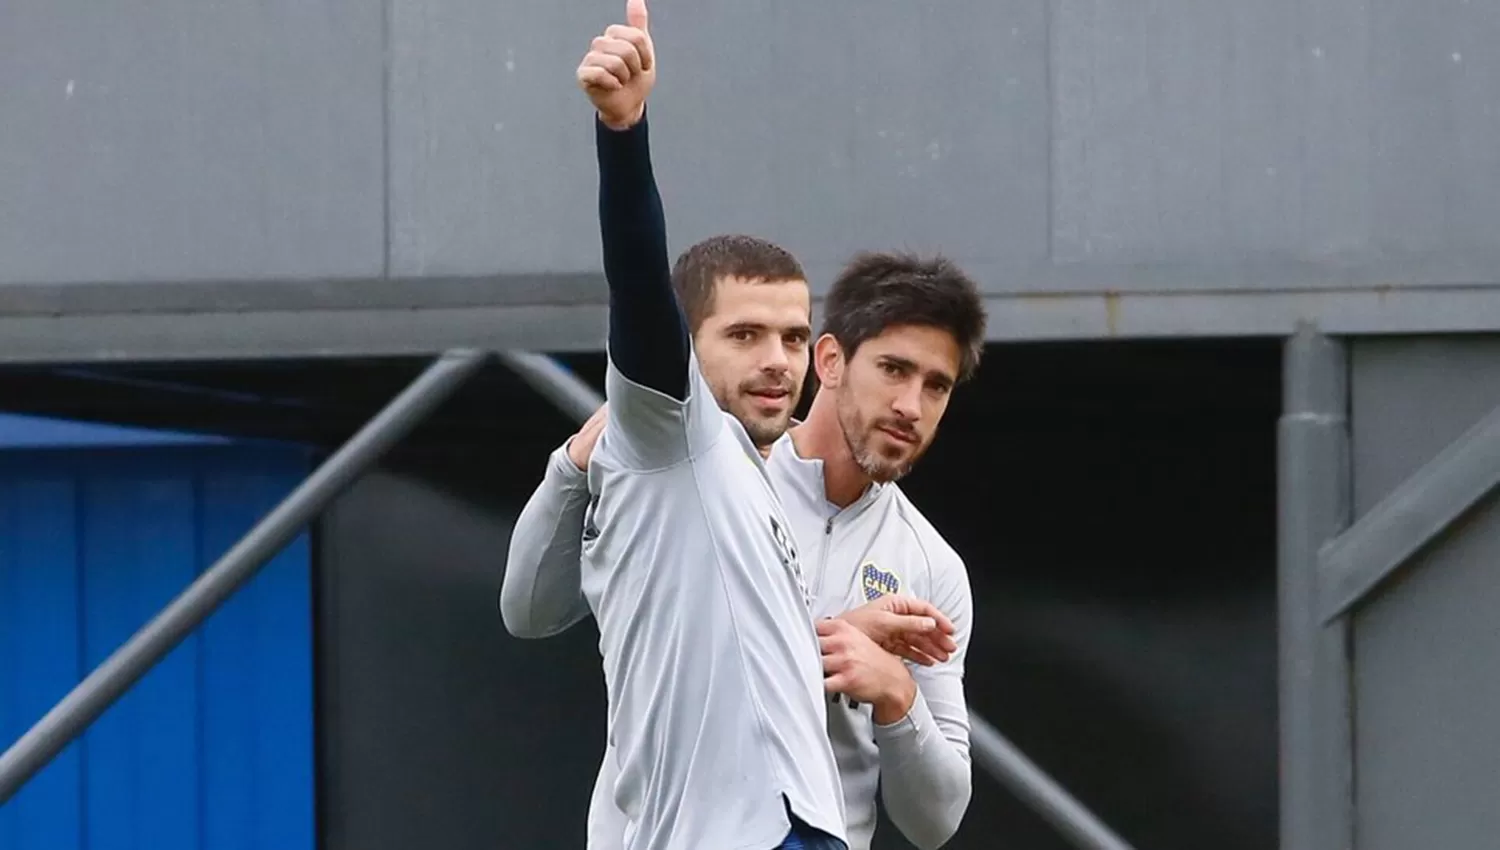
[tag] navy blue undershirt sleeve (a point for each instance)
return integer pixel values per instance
(648, 336)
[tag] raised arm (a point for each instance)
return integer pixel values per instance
(648, 337)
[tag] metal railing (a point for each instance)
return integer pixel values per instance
(111, 679)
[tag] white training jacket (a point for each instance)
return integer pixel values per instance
(880, 544)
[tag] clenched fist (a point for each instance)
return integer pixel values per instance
(620, 68)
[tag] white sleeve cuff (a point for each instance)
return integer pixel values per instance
(908, 737)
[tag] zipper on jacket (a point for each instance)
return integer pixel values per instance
(823, 563)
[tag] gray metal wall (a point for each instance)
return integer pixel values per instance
(1426, 648)
(1067, 146)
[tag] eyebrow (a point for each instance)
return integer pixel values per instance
(911, 366)
(801, 330)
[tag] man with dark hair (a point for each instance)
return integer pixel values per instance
(900, 332)
(747, 307)
(916, 326)
(897, 731)
(717, 713)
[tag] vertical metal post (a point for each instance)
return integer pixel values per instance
(992, 751)
(1313, 491)
(146, 647)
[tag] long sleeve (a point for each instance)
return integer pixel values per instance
(648, 337)
(540, 595)
(925, 772)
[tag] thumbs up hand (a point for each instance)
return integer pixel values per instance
(620, 68)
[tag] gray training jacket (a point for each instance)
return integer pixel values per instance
(880, 544)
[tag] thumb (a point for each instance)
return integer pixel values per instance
(635, 14)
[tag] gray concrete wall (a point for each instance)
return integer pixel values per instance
(1063, 146)
(1426, 649)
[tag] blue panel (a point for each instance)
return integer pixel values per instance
(213, 748)
(39, 649)
(37, 432)
(141, 782)
(258, 685)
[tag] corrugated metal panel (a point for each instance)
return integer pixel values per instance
(213, 749)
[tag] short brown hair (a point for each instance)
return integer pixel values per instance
(701, 267)
(877, 291)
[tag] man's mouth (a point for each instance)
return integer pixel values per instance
(899, 434)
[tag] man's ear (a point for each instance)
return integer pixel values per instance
(828, 360)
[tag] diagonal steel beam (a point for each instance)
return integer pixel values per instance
(130, 662)
(1032, 786)
(556, 383)
(1393, 531)
(995, 754)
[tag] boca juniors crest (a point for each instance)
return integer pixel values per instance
(878, 582)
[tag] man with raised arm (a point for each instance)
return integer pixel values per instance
(900, 332)
(717, 713)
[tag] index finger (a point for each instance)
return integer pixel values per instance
(913, 623)
(829, 626)
(927, 609)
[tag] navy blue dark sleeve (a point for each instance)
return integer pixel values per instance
(648, 337)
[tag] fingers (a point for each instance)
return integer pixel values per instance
(593, 77)
(912, 654)
(616, 66)
(933, 642)
(920, 607)
(904, 627)
(595, 420)
(622, 49)
(920, 652)
(916, 624)
(593, 427)
(638, 39)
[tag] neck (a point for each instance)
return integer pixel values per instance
(819, 436)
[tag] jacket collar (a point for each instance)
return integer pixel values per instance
(805, 476)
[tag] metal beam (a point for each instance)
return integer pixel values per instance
(207, 320)
(1313, 483)
(997, 755)
(1032, 786)
(138, 655)
(567, 392)
(1405, 521)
